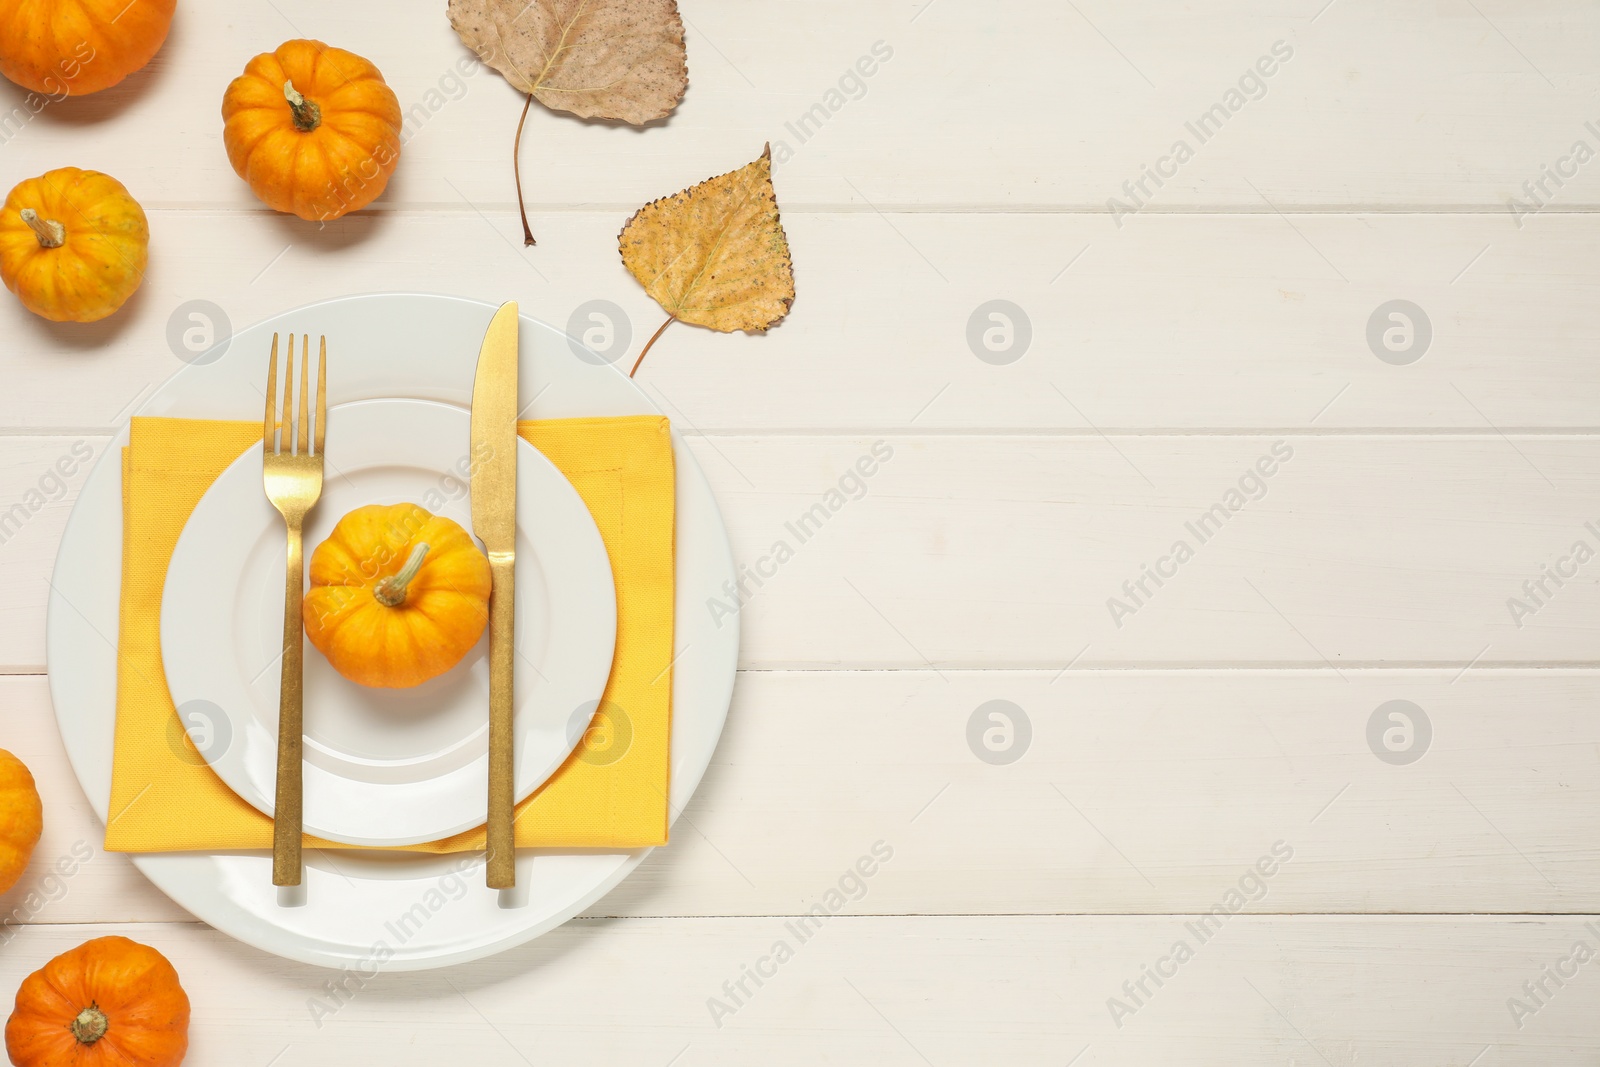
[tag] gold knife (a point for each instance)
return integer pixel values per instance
(494, 520)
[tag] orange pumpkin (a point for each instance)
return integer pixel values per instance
(67, 48)
(73, 244)
(109, 1002)
(397, 595)
(314, 130)
(21, 819)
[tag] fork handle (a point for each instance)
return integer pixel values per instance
(286, 805)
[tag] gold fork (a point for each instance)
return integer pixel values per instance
(292, 472)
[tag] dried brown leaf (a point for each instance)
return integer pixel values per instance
(715, 255)
(606, 59)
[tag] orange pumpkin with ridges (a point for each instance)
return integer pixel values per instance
(21, 818)
(314, 130)
(64, 48)
(110, 1002)
(73, 244)
(397, 595)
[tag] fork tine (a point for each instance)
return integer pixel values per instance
(269, 427)
(302, 438)
(286, 427)
(322, 394)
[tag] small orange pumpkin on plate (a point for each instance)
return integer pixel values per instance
(72, 47)
(314, 130)
(110, 1002)
(398, 595)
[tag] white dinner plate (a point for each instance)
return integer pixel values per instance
(389, 910)
(384, 766)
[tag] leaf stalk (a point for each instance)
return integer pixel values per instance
(659, 330)
(516, 170)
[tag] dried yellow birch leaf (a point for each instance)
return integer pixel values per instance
(715, 255)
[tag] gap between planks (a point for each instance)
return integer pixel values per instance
(1409, 917)
(888, 208)
(800, 433)
(1478, 667)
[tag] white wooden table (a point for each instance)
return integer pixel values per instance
(1162, 744)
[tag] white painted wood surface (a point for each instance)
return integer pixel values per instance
(1209, 322)
(1173, 741)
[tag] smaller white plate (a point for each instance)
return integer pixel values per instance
(384, 766)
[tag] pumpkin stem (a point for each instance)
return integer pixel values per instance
(307, 115)
(51, 233)
(391, 592)
(90, 1025)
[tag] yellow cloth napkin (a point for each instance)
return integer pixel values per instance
(610, 793)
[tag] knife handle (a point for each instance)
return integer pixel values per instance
(501, 861)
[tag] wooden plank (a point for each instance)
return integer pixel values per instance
(917, 990)
(1200, 322)
(980, 551)
(1032, 552)
(1144, 792)
(1130, 792)
(39, 482)
(1435, 106)
(71, 878)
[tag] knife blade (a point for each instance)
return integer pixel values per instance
(494, 520)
